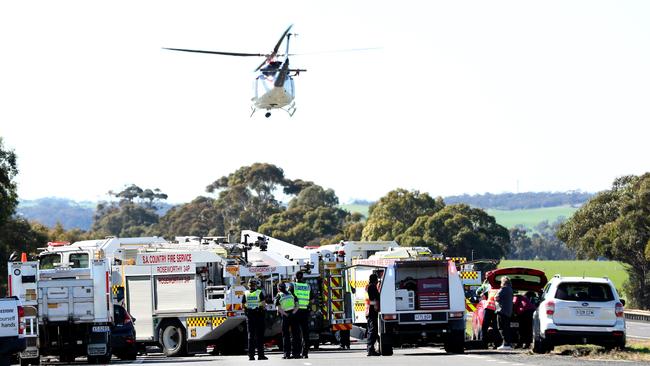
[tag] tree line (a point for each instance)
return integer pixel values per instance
(610, 224)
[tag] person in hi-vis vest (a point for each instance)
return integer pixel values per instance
(287, 304)
(305, 296)
(255, 310)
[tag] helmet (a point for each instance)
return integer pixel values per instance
(252, 281)
(299, 275)
(282, 286)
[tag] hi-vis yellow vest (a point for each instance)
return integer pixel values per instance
(302, 291)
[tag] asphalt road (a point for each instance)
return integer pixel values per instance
(328, 356)
(638, 330)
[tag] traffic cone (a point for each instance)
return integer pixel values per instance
(23, 257)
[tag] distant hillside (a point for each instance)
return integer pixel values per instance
(527, 200)
(511, 209)
(71, 214)
(49, 211)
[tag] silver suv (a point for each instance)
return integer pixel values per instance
(577, 310)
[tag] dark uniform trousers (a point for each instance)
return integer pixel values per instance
(303, 323)
(373, 330)
(290, 335)
(256, 327)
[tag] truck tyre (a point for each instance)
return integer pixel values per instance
(30, 361)
(385, 344)
(67, 358)
(455, 342)
(172, 339)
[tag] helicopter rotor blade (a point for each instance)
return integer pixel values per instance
(219, 52)
(275, 49)
(284, 71)
(334, 51)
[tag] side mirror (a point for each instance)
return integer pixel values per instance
(622, 302)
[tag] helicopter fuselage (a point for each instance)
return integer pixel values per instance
(269, 96)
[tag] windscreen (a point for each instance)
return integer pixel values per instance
(79, 260)
(584, 291)
(48, 261)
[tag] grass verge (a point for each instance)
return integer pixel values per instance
(636, 350)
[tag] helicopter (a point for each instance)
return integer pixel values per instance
(274, 87)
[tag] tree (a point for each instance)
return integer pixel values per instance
(394, 213)
(311, 218)
(616, 224)
(197, 218)
(246, 198)
(459, 230)
(19, 236)
(8, 171)
(542, 243)
(132, 215)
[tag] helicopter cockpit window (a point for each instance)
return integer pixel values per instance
(271, 68)
(49, 261)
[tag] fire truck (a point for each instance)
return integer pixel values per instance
(421, 298)
(175, 290)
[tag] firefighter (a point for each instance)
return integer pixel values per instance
(302, 291)
(254, 306)
(287, 304)
(372, 313)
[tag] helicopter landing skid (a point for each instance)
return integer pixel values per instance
(291, 109)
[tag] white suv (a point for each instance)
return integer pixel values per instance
(577, 310)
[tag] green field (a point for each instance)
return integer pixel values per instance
(508, 218)
(614, 270)
(531, 217)
(362, 209)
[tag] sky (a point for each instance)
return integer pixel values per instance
(458, 97)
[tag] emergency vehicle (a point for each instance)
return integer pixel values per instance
(421, 298)
(174, 290)
(22, 279)
(73, 304)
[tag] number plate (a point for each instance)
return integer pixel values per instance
(514, 325)
(422, 317)
(101, 328)
(585, 312)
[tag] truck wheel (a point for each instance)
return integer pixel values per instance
(385, 344)
(67, 358)
(455, 342)
(30, 361)
(172, 339)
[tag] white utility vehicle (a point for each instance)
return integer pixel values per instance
(75, 311)
(422, 300)
(577, 310)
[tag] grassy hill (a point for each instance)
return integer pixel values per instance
(531, 217)
(508, 218)
(614, 270)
